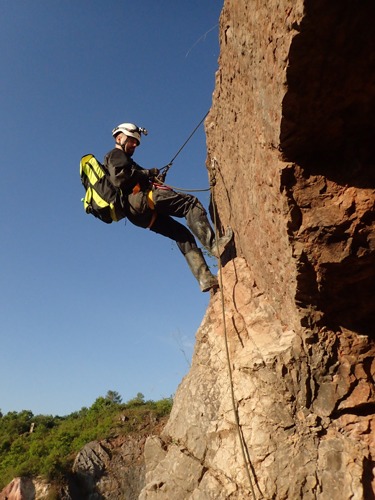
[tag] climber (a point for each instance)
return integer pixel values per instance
(151, 204)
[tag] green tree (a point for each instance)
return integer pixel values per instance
(164, 406)
(139, 400)
(100, 404)
(114, 397)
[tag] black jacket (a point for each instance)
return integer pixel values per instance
(124, 173)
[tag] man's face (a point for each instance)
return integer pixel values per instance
(130, 145)
(127, 143)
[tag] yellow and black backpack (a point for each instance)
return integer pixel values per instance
(102, 197)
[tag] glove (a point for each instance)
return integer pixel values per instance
(153, 172)
(161, 177)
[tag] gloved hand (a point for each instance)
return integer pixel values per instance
(161, 177)
(153, 172)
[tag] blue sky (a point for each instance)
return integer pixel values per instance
(88, 307)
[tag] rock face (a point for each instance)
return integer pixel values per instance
(19, 489)
(280, 399)
(23, 488)
(112, 469)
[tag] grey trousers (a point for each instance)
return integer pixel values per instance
(167, 204)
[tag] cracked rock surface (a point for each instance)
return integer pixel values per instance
(284, 358)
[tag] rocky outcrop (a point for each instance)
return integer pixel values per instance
(112, 469)
(24, 488)
(19, 489)
(279, 402)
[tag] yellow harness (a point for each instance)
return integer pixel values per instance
(150, 202)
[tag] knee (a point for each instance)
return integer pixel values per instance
(196, 210)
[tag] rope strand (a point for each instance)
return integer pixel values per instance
(165, 169)
(182, 190)
(244, 449)
(188, 139)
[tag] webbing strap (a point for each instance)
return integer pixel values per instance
(151, 205)
(150, 200)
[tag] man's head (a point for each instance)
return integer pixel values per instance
(128, 137)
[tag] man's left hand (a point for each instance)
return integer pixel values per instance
(153, 172)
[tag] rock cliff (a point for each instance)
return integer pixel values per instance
(279, 402)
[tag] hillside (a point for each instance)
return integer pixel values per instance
(95, 451)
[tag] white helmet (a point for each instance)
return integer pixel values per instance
(130, 130)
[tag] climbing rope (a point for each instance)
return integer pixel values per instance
(164, 170)
(160, 181)
(244, 450)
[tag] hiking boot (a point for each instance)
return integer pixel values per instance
(199, 224)
(198, 266)
(218, 247)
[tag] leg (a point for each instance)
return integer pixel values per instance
(198, 222)
(169, 202)
(172, 229)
